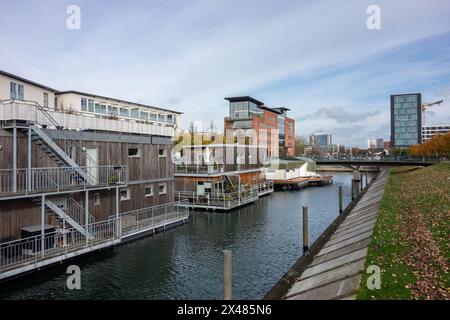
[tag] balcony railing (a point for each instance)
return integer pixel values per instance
(213, 168)
(29, 111)
(153, 217)
(31, 250)
(199, 169)
(224, 200)
(56, 179)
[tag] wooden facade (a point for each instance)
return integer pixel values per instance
(149, 168)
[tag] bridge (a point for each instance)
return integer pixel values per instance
(385, 162)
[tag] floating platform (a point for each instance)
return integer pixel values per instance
(302, 182)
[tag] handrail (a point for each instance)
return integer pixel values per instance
(55, 123)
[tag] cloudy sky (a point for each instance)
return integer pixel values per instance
(316, 57)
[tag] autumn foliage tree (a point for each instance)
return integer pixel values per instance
(438, 145)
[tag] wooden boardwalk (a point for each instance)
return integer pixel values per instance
(335, 272)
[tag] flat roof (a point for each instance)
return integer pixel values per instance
(10, 75)
(244, 98)
(117, 100)
(7, 74)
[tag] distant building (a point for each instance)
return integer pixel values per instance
(406, 119)
(262, 125)
(429, 131)
(373, 143)
(386, 145)
(322, 141)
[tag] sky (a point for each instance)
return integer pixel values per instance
(317, 58)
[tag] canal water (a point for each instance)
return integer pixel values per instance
(187, 262)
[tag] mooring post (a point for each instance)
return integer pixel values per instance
(341, 200)
(227, 284)
(353, 189)
(305, 229)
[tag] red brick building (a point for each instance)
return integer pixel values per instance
(261, 125)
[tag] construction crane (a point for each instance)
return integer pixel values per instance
(426, 106)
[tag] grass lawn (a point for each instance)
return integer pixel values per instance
(410, 243)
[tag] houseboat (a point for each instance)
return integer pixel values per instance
(221, 176)
(79, 172)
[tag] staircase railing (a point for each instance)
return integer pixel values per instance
(77, 212)
(68, 139)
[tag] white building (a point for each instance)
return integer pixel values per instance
(429, 131)
(82, 111)
(373, 143)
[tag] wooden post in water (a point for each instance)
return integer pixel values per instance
(305, 229)
(353, 189)
(341, 200)
(227, 284)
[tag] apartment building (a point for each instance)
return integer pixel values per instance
(261, 125)
(429, 131)
(79, 172)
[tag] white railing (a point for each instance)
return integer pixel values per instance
(34, 249)
(28, 111)
(55, 179)
(153, 217)
(224, 200)
(199, 169)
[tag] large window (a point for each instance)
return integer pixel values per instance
(124, 112)
(161, 117)
(45, 99)
(83, 104)
(13, 90)
(134, 113)
(16, 91)
(100, 108)
(153, 116)
(113, 111)
(20, 93)
(144, 115)
(91, 105)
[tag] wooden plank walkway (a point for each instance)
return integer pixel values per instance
(335, 272)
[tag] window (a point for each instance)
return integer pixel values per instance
(162, 153)
(91, 105)
(125, 194)
(13, 90)
(161, 117)
(170, 118)
(149, 191)
(153, 116)
(83, 104)
(134, 152)
(20, 94)
(46, 99)
(144, 115)
(162, 188)
(124, 112)
(100, 108)
(96, 199)
(134, 113)
(113, 110)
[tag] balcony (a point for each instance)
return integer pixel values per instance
(29, 111)
(188, 169)
(225, 200)
(35, 181)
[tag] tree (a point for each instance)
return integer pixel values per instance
(300, 143)
(438, 145)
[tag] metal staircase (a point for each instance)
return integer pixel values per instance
(58, 152)
(73, 214)
(55, 152)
